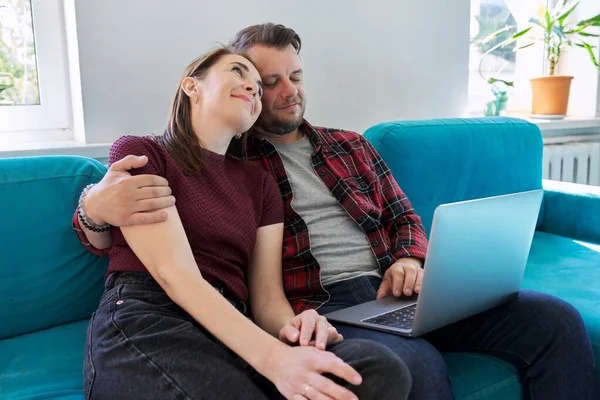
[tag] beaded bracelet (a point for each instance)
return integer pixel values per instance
(83, 217)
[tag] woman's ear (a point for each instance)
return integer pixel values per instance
(190, 86)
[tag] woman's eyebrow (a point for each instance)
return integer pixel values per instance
(241, 65)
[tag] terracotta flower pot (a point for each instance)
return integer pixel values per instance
(550, 96)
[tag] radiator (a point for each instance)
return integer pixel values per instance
(577, 162)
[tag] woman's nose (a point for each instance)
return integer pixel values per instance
(252, 88)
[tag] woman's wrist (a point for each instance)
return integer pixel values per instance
(264, 358)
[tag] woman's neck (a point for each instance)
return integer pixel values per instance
(215, 138)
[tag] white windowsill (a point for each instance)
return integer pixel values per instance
(579, 128)
(568, 123)
(55, 147)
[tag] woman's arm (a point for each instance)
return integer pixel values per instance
(165, 251)
(270, 308)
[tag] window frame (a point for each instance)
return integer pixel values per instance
(51, 119)
(529, 63)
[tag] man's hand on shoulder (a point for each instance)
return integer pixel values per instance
(121, 199)
(403, 277)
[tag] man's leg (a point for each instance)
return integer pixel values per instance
(544, 337)
(384, 375)
(428, 371)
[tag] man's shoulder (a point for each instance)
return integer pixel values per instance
(336, 135)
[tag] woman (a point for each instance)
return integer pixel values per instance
(171, 322)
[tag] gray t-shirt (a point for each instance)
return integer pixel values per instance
(338, 244)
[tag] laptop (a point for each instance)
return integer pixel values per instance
(475, 261)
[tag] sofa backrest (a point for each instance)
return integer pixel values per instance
(449, 160)
(46, 277)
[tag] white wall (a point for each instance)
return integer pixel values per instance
(364, 62)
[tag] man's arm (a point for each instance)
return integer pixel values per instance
(120, 199)
(406, 232)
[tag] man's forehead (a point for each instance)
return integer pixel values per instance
(273, 61)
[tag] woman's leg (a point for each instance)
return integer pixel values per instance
(141, 345)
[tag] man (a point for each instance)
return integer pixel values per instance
(351, 236)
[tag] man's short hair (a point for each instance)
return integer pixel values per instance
(268, 34)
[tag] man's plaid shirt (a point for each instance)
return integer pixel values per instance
(362, 183)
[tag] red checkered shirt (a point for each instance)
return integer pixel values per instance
(363, 185)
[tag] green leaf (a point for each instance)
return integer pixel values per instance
(594, 21)
(526, 46)
(576, 30)
(521, 33)
(591, 52)
(494, 80)
(537, 22)
(562, 17)
(588, 34)
(549, 23)
(505, 42)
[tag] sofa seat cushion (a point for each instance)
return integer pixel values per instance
(478, 377)
(568, 269)
(46, 364)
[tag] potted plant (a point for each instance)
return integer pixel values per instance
(550, 93)
(497, 105)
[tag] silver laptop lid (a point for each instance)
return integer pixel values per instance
(477, 255)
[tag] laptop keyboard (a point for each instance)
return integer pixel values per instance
(401, 318)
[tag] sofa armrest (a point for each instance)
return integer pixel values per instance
(571, 210)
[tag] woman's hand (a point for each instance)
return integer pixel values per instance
(309, 329)
(297, 372)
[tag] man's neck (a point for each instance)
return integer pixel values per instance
(291, 137)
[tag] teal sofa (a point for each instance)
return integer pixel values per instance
(50, 285)
(445, 161)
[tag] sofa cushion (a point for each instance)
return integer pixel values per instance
(449, 160)
(44, 365)
(568, 269)
(46, 277)
(477, 377)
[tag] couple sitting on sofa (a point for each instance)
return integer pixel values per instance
(195, 302)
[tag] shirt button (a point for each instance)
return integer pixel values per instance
(321, 173)
(361, 218)
(376, 243)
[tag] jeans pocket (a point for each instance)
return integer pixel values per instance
(89, 372)
(151, 294)
(374, 284)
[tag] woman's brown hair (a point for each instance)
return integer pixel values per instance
(179, 138)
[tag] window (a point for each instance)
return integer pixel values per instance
(33, 71)
(503, 64)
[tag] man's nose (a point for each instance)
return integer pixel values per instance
(289, 89)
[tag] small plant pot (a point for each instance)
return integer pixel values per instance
(550, 96)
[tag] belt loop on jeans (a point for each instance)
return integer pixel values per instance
(110, 281)
(239, 305)
(219, 288)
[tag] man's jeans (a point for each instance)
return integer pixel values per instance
(544, 337)
(141, 345)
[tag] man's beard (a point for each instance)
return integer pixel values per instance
(277, 126)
